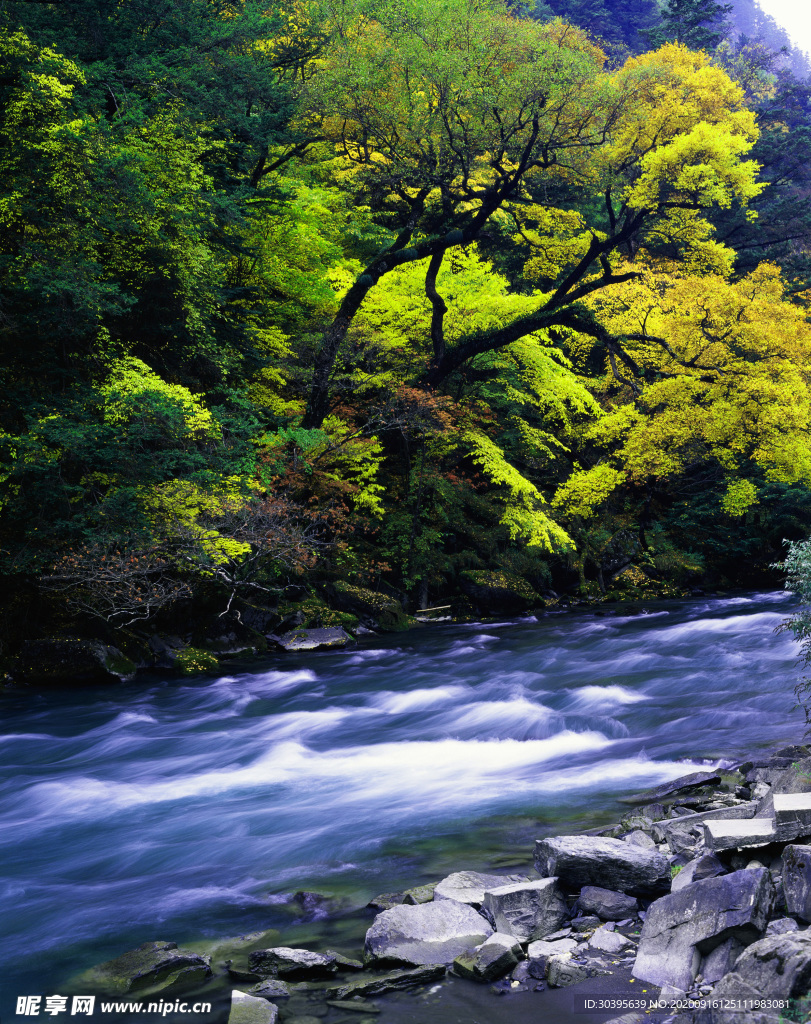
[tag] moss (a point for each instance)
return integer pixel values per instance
(192, 660)
(120, 665)
(501, 580)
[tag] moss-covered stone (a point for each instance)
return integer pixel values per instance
(60, 661)
(194, 660)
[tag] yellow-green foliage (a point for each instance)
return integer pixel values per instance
(132, 391)
(586, 490)
(192, 660)
(739, 497)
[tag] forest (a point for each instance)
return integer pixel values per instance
(330, 311)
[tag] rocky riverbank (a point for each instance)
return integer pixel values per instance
(697, 903)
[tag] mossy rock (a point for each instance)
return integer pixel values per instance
(194, 660)
(497, 592)
(62, 661)
(383, 611)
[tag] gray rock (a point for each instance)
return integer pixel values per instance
(286, 962)
(386, 900)
(312, 639)
(247, 1009)
(491, 960)
(681, 928)
(528, 910)
(609, 942)
(720, 960)
(776, 967)
(391, 981)
(419, 894)
(738, 835)
(427, 933)
(792, 814)
(587, 923)
(544, 948)
(608, 863)
(356, 1005)
(469, 886)
(781, 926)
(607, 904)
(271, 988)
(561, 972)
(640, 838)
(154, 965)
(797, 880)
(705, 866)
(344, 963)
(686, 782)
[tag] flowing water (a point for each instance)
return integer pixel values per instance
(185, 810)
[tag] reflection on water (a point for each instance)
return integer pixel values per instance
(171, 809)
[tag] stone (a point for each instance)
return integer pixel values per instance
(792, 814)
(469, 886)
(286, 962)
(386, 900)
(562, 972)
(608, 863)
(246, 1009)
(498, 593)
(426, 933)
(419, 894)
(587, 923)
(720, 960)
(609, 942)
(681, 928)
(797, 880)
(737, 835)
(686, 782)
(640, 838)
(154, 966)
(776, 967)
(541, 948)
(391, 981)
(271, 988)
(705, 866)
(344, 963)
(71, 662)
(312, 639)
(605, 903)
(781, 925)
(528, 910)
(491, 960)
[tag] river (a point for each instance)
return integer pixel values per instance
(186, 809)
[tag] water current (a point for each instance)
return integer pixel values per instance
(186, 809)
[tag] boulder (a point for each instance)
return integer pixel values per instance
(247, 1009)
(781, 925)
(777, 967)
(544, 948)
(609, 942)
(469, 886)
(738, 835)
(498, 592)
(71, 662)
(528, 910)
(272, 988)
(390, 981)
(792, 814)
(386, 900)
(705, 866)
(640, 838)
(562, 971)
(419, 894)
(721, 960)
(312, 639)
(286, 962)
(607, 904)
(491, 960)
(427, 933)
(154, 965)
(681, 928)
(578, 861)
(680, 785)
(379, 610)
(797, 880)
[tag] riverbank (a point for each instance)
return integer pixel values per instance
(685, 906)
(191, 810)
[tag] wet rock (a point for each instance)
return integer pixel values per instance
(355, 1005)
(71, 662)
(391, 981)
(610, 863)
(419, 894)
(246, 1009)
(344, 963)
(680, 785)
(781, 926)
(428, 933)
(797, 880)
(587, 923)
(272, 988)
(154, 965)
(607, 904)
(469, 886)
(386, 900)
(681, 928)
(528, 910)
(561, 972)
(312, 639)
(493, 959)
(286, 962)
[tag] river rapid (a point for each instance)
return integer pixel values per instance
(187, 809)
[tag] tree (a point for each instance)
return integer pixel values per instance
(699, 24)
(452, 124)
